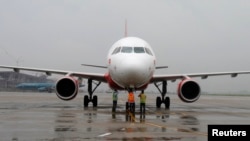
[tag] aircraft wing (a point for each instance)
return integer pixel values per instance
(94, 76)
(174, 77)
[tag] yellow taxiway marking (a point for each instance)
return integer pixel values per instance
(166, 127)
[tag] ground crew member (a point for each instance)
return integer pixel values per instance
(115, 98)
(131, 101)
(142, 101)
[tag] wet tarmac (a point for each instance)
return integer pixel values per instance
(44, 117)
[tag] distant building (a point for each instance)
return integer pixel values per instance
(9, 80)
(40, 87)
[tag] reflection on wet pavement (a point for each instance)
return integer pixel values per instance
(44, 117)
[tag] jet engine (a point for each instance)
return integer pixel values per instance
(188, 90)
(67, 88)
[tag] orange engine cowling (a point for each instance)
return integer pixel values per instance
(188, 90)
(67, 88)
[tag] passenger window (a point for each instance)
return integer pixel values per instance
(139, 50)
(126, 49)
(148, 51)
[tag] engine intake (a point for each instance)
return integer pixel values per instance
(67, 88)
(188, 90)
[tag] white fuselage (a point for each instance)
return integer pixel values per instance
(131, 62)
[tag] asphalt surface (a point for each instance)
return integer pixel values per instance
(43, 117)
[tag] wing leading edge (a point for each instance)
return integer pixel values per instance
(174, 77)
(101, 77)
(94, 76)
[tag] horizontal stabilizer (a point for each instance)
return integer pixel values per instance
(161, 67)
(96, 66)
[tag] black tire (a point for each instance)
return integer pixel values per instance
(158, 102)
(95, 100)
(86, 101)
(167, 102)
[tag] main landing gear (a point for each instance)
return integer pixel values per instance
(162, 99)
(90, 97)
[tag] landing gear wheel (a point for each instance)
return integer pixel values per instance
(91, 90)
(163, 92)
(86, 101)
(158, 102)
(95, 101)
(167, 102)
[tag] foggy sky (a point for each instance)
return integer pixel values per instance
(187, 35)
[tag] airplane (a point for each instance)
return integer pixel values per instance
(41, 87)
(131, 64)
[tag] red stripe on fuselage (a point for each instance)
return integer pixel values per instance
(111, 83)
(114, 85)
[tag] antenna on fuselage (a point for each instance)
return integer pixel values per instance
(126, 32)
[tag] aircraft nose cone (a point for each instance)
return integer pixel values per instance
(133, 72)
(133, 66)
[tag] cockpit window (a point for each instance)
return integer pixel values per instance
(117, 50)
(148, 51)
(127, 49)
(139, 50)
